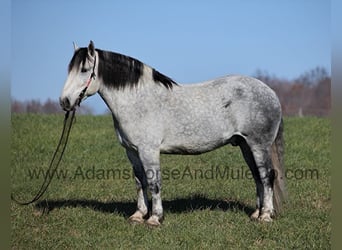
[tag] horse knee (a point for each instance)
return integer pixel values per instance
(154, 187)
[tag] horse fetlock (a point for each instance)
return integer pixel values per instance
(266, 215)
(154, 221)
(137, 217)
(263, 215)
(255, 214)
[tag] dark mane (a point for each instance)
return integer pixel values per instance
(119, 71)
(163, 79)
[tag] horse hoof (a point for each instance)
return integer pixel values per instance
(255, 215)
(136, 218)
(265, 217)
(153, 221)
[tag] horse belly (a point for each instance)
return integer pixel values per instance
(190, 149)
(196, 137)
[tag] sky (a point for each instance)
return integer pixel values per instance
(189, 41)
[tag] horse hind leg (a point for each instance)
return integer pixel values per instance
(249, 158)
(263, 161)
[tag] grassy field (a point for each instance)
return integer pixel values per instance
(207, 198)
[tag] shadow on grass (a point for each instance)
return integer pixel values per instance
(127, 208)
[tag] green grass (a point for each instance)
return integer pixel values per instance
(88, 205)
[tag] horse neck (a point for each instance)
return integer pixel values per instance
(145, 93)
(126, 82)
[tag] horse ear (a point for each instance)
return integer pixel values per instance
(91, 49)
(75, 46)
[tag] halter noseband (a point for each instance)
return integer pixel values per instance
(92, 76)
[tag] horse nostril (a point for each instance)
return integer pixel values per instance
(65, 103)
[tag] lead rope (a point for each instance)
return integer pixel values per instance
(57, 156)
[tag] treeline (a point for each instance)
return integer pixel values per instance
(47, 107)
(307, 95)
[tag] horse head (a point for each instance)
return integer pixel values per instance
(81, 81)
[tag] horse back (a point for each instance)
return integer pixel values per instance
(207, 115)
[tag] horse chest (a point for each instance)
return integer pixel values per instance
(123, 139)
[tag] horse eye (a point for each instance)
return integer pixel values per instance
(83, 70)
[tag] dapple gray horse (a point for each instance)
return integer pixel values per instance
(153, 114)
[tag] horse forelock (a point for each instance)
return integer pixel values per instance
(78, 58)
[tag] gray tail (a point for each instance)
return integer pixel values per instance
(279, 187)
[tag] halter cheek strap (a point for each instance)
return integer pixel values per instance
(92, 76)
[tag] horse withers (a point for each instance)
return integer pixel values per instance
(153, 114)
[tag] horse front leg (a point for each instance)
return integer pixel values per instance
(150, 161)
(141, 184)
(142, 210)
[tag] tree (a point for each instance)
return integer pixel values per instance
(48, 107)
(309, 94)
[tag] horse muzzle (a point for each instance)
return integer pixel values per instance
(65, 104)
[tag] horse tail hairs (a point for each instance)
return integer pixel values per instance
(279, 187)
